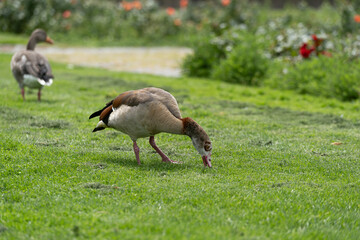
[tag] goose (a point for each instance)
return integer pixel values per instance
(146, 112)
(31, 69)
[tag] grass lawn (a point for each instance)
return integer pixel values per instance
(275, 173)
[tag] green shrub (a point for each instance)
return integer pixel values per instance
(323, 76)
(209, 51)
(21, 16)
(206, 55)
(245, 64)
(93, 19)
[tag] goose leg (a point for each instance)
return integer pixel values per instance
(39, 95)
(23, 93)
(136, 151)
(163, 156)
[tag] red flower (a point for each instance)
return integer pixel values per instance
(314, 37)
(225, 2)
(317, 41)
(137, 5)
(304, 51)
(66, 14)
(183, 3)
(170, 11)
(357, 18)
(126, 5)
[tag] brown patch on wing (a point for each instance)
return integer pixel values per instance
(97, 113)
(120, 99)
(132, 98)
(104, 116)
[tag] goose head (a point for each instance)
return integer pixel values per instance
(37, 36)
(203, 146)
(200, 140)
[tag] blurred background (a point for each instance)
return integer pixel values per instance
(168, 21)
(310, 46)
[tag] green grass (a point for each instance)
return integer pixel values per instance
(10, 38)
(275, 173)
(72, 39)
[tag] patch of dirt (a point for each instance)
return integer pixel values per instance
(163, 61)
(96, 185)
(3, 229)
(46, 123)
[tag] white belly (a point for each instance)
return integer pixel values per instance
(34, 82)
(130, 120)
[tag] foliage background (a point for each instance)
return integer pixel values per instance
(235, 41)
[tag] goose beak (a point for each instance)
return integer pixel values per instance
(206, 161)
(49, 40)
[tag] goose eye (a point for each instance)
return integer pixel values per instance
(207, 148)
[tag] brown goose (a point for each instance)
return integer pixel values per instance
(30, 68)
(149, 111)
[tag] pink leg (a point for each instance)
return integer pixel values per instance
(39, 95)
(163, 156)
(136, 151)
(23, 93)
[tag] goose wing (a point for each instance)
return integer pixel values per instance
(31, 63)
(166, 99)
(136, 97)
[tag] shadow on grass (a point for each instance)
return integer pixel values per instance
(46, 123)
(13, 115)
(150, 165)
(99, 81)
(44, 100)
(284, 115)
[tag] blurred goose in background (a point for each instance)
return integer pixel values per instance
(30, 68)
(147, 112)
